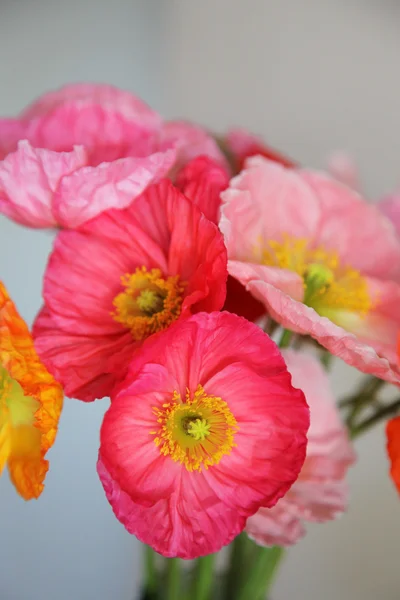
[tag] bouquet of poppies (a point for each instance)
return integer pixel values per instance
(204, 284)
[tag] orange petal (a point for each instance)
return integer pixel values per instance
(393, 448)
(28, 475)
(18, 356)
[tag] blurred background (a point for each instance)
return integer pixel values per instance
(311, 77)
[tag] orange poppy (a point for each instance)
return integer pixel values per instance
(30, 404)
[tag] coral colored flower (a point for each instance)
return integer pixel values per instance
(241, 145)
(122, 277)
(320, 493)
(393, 449)
(390, 206)
(205, 429)
(323, 261)
(30, 404)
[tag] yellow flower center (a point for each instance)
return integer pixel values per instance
(329, 286)
(18, 435)
(196, 431)
(149, 303)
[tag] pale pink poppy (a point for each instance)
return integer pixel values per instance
(205, 429)
(124, 146)
(323, 261)
(320, 493)
(43, 188)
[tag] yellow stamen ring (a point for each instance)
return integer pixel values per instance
(197, 431)
(149, 303)
(328, 285)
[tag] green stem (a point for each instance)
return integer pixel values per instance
(236, 571)
(173, 579)
(326, 360)
(387, 411)
(261, 574)
(286, 336)
(203, 578)
(151, 573)
(370, 386)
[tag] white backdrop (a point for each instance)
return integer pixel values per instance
(311, 75)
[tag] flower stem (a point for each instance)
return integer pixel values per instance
(203, 578)
(260, 576)
(386, 411)
(370, 386)
(173, 581)
(237, 568)
(286, 337)
(326, 360)
(150, 591)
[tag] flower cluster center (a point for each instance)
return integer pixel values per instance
(328, 284)
(149, 303)
(197, 431)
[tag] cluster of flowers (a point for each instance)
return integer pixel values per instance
(171, 243)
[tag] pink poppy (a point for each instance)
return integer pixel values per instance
(390, 206)
(120, 278)
(323, 261)
(124, 146)
(43, 188)
(202, 180)
(320, 493)
(109, 122)
(205, 429)
(241, 145)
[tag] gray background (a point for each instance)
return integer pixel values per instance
(312, 76)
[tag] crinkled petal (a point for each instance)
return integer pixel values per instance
(109, 122)
(162, 230)
(182, 525)
(79, 362)
(28, 180)
(92, 190)
(159, 500)
(129, 105)
(275, 526)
